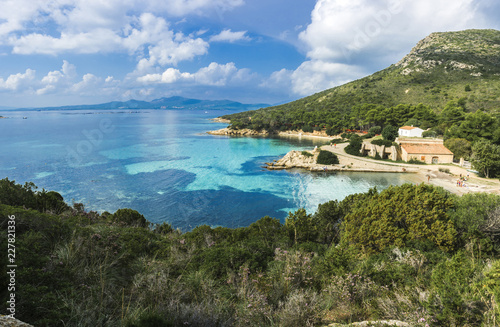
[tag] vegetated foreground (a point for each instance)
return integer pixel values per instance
(412, 253)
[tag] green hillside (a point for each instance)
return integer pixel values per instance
(461, 69)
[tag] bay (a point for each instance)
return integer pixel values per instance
(164, 165)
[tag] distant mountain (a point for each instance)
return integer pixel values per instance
(175, 102)
(459, 66)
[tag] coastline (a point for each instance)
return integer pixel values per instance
(444, 176)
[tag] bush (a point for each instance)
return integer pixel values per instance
(401, 216)
(380, 142)
(354, 145)
(332, 131)
(416, 162)
(327, 158)
(307, 129)
(130, 217)
(375, 130)
(336, 141)
(390, 132)
(430, 133)
(307, 154)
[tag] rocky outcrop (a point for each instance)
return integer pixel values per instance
(296, 159)
(239, 132)
(7, 321)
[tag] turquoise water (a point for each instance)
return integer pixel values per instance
(163, 164)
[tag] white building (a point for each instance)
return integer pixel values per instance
(410, 131)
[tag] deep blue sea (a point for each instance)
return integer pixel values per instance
(163, 164)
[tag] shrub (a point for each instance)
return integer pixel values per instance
(307, 129)
(390, 132)
(307, 154)
(401, 216)
(335, 141)
(354, 145)
(375, 130)
(416, 162)
(129, 217)
(332, 131)
(430, 133)
(327, 158)
(381, 142)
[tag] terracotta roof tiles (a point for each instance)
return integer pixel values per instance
(423, 148)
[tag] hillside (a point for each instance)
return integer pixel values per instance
(454, 66)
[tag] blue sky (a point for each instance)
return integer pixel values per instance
(62, 52)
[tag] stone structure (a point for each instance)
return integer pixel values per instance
(430, 151)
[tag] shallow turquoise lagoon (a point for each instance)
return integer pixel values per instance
(163, 164)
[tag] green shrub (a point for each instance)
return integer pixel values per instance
(415, 161)
(307, 129)
(337, 141)
(307, 154)
(354, 145)
(390, 133)
(401, 216)
(130, 217)
(327, 158)
(375, 130)
(381, 142)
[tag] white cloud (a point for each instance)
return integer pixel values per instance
(317, 75)
(213, 75)
(165, 46)
(229, 36)
(340, 29)
(77, 16)
(16, 81)
(343, 33)
(58, 80)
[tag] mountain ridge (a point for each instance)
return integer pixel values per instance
(174, 102)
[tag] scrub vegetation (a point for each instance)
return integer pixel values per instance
(413, 253)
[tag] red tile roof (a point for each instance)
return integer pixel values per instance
(407, 127)
(423, 148)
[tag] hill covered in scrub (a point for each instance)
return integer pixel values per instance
(460, 69)
(412, 253)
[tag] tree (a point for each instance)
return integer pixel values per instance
(452, 113)
(328, 219)
(486, 158)
(300, 226)
(390, 132)
(401, 216)
(461, 148)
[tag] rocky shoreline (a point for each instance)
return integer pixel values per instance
(307, 160)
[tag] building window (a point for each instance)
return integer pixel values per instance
(422, 158)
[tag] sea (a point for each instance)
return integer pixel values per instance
(163, 164)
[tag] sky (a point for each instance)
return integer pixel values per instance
(68, 52)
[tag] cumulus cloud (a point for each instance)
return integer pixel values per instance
(344, 33)
(58, 80)
(76, 16)
(214, 74)
(16, 81)
(229, 36)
